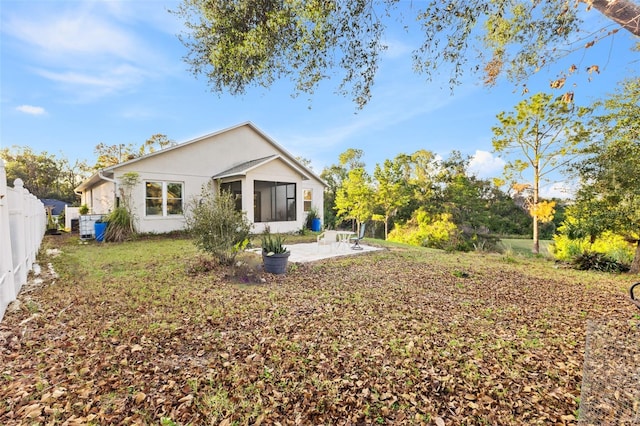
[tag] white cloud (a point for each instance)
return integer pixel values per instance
(87, 46)
(396, 48)
(32, 110)
(88, 83)
(562, 189)
(73, 35)
(483, 164)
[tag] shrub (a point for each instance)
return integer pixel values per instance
(436, 231)
(595, 261)
(311, 214)
(120, 225)
(217, 227)
(613, 246)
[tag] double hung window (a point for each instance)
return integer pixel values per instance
(164, 198)
(307, 195)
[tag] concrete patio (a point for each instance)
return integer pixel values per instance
(310, 252)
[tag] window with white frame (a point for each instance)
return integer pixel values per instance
(307, 195)
(163, 198)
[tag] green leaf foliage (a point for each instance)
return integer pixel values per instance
(541, 136)
(216, 226)
(391, 191)
(594, 261)
(237, 44)
(273, 244)
(44, 174)
(427, 231)
(354, 200)
(609, 198)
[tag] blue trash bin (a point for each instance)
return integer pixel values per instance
(100, 228)
(315, 224)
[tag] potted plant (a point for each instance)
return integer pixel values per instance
(274, 255)
(313, 220)
(84, 209)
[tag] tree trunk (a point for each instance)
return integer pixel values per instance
(635, 265)
(624, 12)
(536, 200)
(536, 240)
(386, 227)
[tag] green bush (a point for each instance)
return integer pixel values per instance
(217, 227)
(436, 231)
(613, 246)
(311, 214)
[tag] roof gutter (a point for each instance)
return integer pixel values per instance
(103, 177)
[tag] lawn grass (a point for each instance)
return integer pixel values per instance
(137, 333)
(524, 246)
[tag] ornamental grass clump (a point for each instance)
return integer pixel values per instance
(120, 225)
(217, 227)
(121, 219)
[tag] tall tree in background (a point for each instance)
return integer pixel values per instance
(334, 176)
(463, 196)
(155, 143)
(609, 198)
(109, 155)
(419, 171)
(43, 174)
(391, 191)
(542, 136)
(354, 199)
(241, 43)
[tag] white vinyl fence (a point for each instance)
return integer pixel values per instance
(22, 225)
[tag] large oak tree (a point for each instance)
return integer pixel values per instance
(240, 43)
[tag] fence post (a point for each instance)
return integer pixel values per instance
(7, 286)
(20, 248)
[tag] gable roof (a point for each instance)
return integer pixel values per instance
(57, 206)
(243, 168)
(286, 157)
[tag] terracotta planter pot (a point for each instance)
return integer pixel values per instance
(276, 263)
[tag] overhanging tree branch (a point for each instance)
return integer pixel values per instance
(624, 12)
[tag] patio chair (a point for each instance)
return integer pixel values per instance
(356, 240)
(327, 238)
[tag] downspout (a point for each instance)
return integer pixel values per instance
(103, 177)
(115, 186)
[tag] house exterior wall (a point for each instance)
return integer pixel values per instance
(193, 164)
(100, 198)
(191, 186)
(274, 171)
(208, 156)
(317, 198)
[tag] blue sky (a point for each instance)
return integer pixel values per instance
(77, 73)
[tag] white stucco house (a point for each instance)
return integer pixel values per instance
(271, 186)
